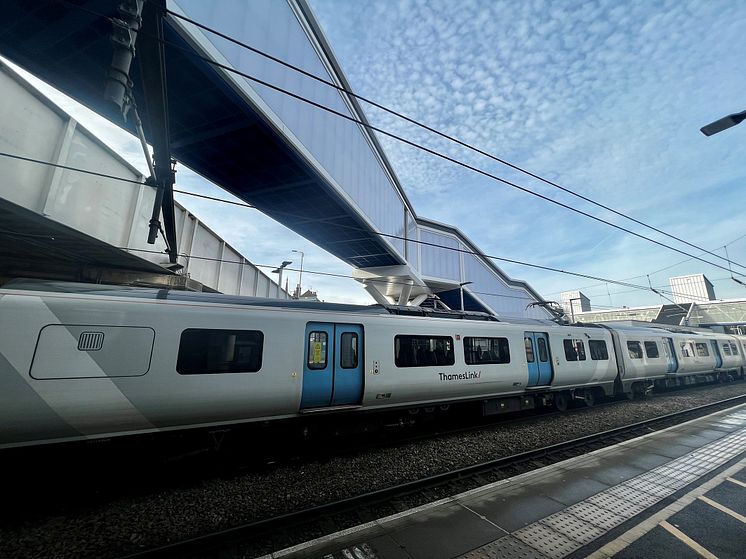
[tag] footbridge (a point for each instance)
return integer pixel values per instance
(209, 103)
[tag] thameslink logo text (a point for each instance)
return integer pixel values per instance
(460, 376)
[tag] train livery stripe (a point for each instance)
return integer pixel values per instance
(88, 407)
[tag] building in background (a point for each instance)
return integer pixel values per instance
(695, 288)
(693, 305)
(574, 302)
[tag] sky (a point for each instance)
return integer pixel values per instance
(602, 97)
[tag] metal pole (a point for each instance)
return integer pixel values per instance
(461, 289)
(300, 277)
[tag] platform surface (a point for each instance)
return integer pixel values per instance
(675, 493)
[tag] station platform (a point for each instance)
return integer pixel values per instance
(675, 493)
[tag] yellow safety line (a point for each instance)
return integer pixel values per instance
(723, 508)
(737, 482)
(678, 534)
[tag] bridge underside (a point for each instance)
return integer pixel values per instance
(215, 130)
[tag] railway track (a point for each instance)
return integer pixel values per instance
(267, 535)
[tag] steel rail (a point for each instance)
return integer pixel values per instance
(246, 535)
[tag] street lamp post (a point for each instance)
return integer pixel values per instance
(461, 292)
(723, 123)
(300, 275)
(279, 270)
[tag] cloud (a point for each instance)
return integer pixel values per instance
(606, 99)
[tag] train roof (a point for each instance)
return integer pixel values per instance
(203, 297)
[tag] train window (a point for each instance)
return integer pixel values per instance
(529, 349)
(317, 350)
(543, 353)
(348, 351)
(485, 351)
(726, 349)
(651, 350)
(219, 351)
(574, 350)
(423, 351)
(635, 350)
(598, 349)
(702, 350)
(686, 349)
(734, 349)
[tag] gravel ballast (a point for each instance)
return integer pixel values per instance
(132, 524)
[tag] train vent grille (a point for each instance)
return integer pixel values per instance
(91, 341)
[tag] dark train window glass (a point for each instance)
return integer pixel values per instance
(574, 350)
(203, 352)
(635, 350)
(348, 351)
(485, 351)
(543, 353)
(423, 351)
(702, 350)
(317, 350)
(726, 349)
(651, 350)
(734, 349)
(598, 349)
(529, 349)
(686, 349)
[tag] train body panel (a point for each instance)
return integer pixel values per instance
(583, 356)
(77, 365)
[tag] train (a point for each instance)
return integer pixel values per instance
(88, 361)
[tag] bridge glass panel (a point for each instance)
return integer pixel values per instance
(337, 144)
(440, 262)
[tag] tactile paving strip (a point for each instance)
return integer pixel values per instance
(551, 543)
(631, 494)
(595, 515)
(506, 547)
(573, 527)
(617, 505)
(566, 531)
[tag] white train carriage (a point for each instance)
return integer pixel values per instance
(83, 361)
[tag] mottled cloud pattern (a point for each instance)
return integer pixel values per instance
(603, 97)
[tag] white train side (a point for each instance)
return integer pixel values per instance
(80, 361)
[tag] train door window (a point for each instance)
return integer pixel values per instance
(423, 351)
(527, 341)
(598, 349)
(348, 351)
(726, 349)
(317, 350)
(204, 351)
(651, 350)
(635, 350)
(485, 351)
(734, 349)
(574, 350)
(702, 350)
(686, 349)
(543, 353)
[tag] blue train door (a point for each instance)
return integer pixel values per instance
(718, 357)
(673, 362)
(538, 358)
(333, 367)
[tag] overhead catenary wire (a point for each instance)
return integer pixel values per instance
(437, 132)
(656, 271)
(398, 237)
(349, 276)
(411, 143)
